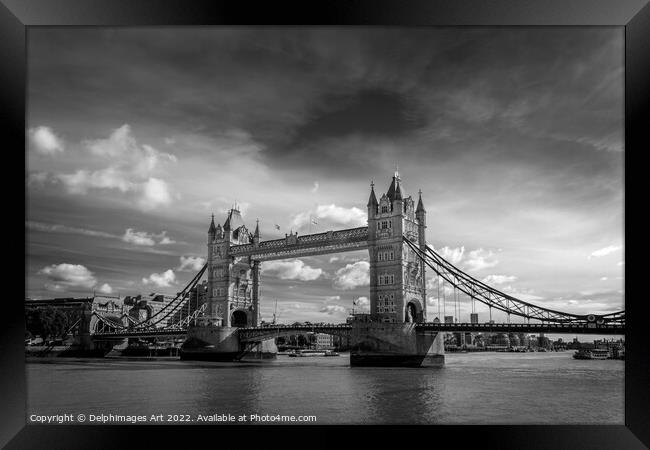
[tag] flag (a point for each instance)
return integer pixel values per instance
(314, 221)
(354, 302)
(277, 227)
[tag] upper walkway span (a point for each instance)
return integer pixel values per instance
(294, 246)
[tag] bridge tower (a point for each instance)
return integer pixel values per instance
(232, 281)
(397, 277)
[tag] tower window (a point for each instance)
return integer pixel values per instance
(384, 209)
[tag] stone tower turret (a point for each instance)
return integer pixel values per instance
(397, 278)
(230, 278)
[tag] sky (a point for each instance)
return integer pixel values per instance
(135, 136)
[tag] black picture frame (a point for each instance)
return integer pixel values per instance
(634, 15)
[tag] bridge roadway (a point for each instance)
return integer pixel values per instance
(251, 334)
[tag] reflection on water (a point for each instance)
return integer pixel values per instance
(472, 388)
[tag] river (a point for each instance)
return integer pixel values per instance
(472, 388)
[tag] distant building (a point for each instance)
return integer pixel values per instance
(148, 309)
(473, 318)
(543, 341)
(449, 319)
(323, 340)
(360, 317)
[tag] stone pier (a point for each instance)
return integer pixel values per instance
(215, 343)
(395, 345)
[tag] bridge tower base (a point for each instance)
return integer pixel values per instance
(376, 344)
(214, 343)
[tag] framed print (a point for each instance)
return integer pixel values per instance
(358, 216)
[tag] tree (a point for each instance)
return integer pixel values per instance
(49, 322)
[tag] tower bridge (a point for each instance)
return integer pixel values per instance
(395, 332)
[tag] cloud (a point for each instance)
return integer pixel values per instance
(154, 193)
(68, 276)
(526, 295)
(480, 259)
(452, 255)
(352, 276)
(333, 309)
(315, 188)
(620, 263)
(347, 258)
(191, 263)
(105, 289)
(138, 237)
(332, 298)
(83, 180)
(363, 303)
(604, 251)
(603, 278)
(45, 141)
(57, 228)
(165, 241)
(131, 169)
(291, 270)
(498, 279)
(39, 178)
(332, 215)
(147, 239)
(165, 279)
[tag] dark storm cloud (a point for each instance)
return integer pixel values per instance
(293, 88)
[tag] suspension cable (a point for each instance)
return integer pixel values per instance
(147, 322)
(493, 297)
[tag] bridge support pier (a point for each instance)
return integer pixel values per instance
(376, 344)
(212, 343)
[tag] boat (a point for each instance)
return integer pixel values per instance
(596, 353)
(331, 353)
(311, 353)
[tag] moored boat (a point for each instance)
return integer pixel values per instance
(596, 353)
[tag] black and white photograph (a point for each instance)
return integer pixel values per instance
(325, 225)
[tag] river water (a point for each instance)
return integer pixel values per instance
(472, 388)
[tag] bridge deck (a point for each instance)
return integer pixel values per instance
(268, 332)
(570, 328)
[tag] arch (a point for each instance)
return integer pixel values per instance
(413, 311)
(97, 325)
(238, 318)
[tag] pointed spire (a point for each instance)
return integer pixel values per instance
(372, 201)
(395, 190)
(257, 228)
(226, 224)
(420, 207)
(212, 227)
